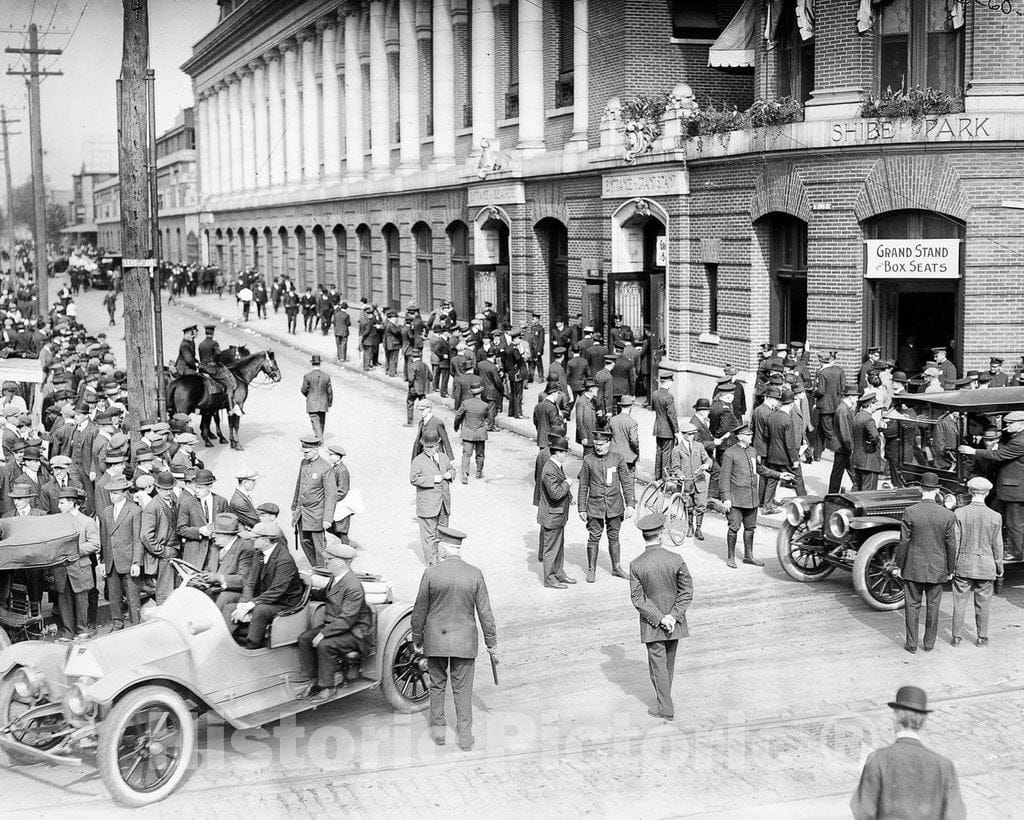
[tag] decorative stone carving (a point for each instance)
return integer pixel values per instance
(490, 157)
(640, 136)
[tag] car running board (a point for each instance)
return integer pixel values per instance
(294, 707)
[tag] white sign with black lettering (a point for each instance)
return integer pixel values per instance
(912, 259)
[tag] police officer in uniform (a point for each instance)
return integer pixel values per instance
(316, 496)
(186, 363)
(605, 497)
(209, 363)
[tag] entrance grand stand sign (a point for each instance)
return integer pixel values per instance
(912, 258)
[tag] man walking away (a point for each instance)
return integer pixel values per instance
(666, 424)
(316, 387)
(451, 598)
(906, 779)
(342, 327)
(925, 559)
(471, 417)
(661, 589)
(979, 559)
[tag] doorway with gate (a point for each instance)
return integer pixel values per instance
(488, 277)
(553, 238)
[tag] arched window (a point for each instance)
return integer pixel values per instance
(424, 266)
(301, 271)
(283, 245)
(458, 255)
(392, 267)
(341, 259)
(566, 49)
(788, 272)
(320, 243)
(365, 263)
(254, 242)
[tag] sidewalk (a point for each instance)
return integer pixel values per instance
(274, 328)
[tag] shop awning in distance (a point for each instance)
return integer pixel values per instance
(84, 227)
(734, 47)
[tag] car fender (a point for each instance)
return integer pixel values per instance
(874, 522)
(387, 620)
(46, 657)
(107, 689)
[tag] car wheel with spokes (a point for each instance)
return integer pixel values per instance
(145, 745)
(799, 557)
(873, 572)
(404, 674)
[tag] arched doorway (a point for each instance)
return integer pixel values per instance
(489, 274)
(365, 263)
(254, 242)
(301, 272)
(392, 286)
(553, 237)
(283, 254)
(423, 238)
(320, 262)
(458, 257)
(268, 252)
(914, 309)
(229, 241)
(636, 285)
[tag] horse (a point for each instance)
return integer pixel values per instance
(188, 393)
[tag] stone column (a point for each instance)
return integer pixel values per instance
(483, 72)
(329, 69)
(408, 86)
(292, 125)
(261, 160)
(223, 140)
(531, 77)
(353, 93)
(275, 118)
(203, 141)
(380, 139)
(444, 84)
(235, 126)
(580, 75)
(310, 109)
(248, 133)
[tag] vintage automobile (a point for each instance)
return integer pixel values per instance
(859, 531)
(129, 700)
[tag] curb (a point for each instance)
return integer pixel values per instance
(523, 430)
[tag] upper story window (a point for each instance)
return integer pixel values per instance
(921, 43)
(694, 20)
(795, 57)
(566, 57)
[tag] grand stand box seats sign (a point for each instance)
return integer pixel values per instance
(912, 258)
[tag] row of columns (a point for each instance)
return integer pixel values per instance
(261, 126)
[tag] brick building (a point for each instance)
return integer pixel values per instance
(414, 150)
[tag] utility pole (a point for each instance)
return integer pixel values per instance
(139, 262)
(9, 216)
(36, 139)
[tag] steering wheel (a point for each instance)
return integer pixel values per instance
(185, 569)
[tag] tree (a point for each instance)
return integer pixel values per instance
(24, 214)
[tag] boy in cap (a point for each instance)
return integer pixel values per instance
(346, 627)
(316, 387)
(979, 559)
(120, 529)
(906, 779)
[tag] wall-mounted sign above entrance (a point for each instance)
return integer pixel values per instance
(912, 259)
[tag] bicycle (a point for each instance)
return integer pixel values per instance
(663, 497)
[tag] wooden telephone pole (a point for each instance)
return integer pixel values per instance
(35, 131)
(137, 229)
(9, 188)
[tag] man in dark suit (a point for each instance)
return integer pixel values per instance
(234, 557)
(783, 454)
(546, 413)
(441, 350)
(494, 390)
(346, 628)
(605, 389)
(160, 537)
(577, 372)
(316, 496)
(722, 419)
(906, 779)
(368, 337)
(463, 378)
(121, 552)
(925, 559)
(417, 376)
(866, 456)
(1008, 459)
(661, 589)
(196, 513)
(428, 421)
(342, 327)
(186, 362)
(842, 441)
(737, 482)
(605, 498)
(75, 583)
(316, 387)
(272, 586)
(829, 384)
(431, 474)
(666, 424)
(555, 498)
(471, 423)
(759, 426)
(241, 502)
(451, 597)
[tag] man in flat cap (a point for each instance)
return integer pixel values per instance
(906, 779)
(241, 502)
(186, 363)
(316, 496)
(121, 552)
(925, 558)
(316, 387)
(431, 473)
(451, 598)
(347, 627)
(979, 559)
(661, 589)
(272, 586)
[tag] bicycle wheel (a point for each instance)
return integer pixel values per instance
(652, 500)
(676, 522)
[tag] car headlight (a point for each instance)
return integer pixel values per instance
(795, 513)
(949, 502)
(839, 523)
(28, 683)
(76, 703)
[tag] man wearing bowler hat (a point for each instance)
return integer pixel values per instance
(471, 424)
(316, 387)
(230, 564)
(451, 598)
(842, 439)
(346, 628)
(316, 496)
(661, 589)
(925, 559)
(666, 424)
(121, 552)
(431, 473)
(554, 498)
(906, 779)
(160, 536)
(196, 513)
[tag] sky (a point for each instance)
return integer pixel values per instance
(80, 108)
